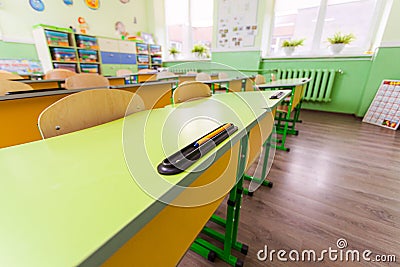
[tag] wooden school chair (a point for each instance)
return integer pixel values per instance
(124, 72)
(192, 90)
(87, 109)
(165, 75)
(202, 76)
(260, 79)
(59, 74)
(223, 75)
(12, 86)
(86, 80)
(6, 75)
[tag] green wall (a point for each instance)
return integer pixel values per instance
(385, 66)
(348, 87)
(17, 51)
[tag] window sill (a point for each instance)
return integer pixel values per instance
(187, 60)
(328, 57)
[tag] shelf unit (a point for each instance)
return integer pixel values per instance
(61, 48)
(155, 56)
(116, 55)
(88, 53)
(143, 59)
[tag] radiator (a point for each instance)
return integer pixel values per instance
(319, 89)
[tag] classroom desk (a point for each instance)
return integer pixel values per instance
(155, 94)
(294, 104)
(192, 77)
(44, 84)
(229, 82)
(71, 200)
(117, 80)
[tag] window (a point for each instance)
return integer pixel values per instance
(316, 20)
(188, 23)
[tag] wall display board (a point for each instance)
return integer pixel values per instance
(385, 108)
(237, 23)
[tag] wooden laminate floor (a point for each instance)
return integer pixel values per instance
(341, 179)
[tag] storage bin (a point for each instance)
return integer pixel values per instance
(156, 60)
(56, 38)
(155, 49)
(89, 42)
(140, 67)
(89, 68)
(142, 48)
(63, 54)
(143, 59)
(88, 56)
(69, 66)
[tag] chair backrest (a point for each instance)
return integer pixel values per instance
(6, 75)
(191, 90)
(249, 86)
(260, 79)
(87, 109)
(165, 74)
(123, 72)
(12, 86)
(223, 75)
(146, 71)
(235, 86)
(86, 80)
(202, 76)
(59, 74)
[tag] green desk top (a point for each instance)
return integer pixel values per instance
(71, 199)
(284, 83)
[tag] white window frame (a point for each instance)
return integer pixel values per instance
(316, 49)
(186, 53)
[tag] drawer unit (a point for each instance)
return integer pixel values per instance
(108, 45)
(127, 47)
(110, 58)
(128, 58)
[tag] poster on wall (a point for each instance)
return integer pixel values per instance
(37, 5)
(237, 23)
(21, 66)
(92, 4)
(385, 108)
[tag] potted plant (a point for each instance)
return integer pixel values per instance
(201, 51)
(174, 52)
(338, 41)
(290, 45)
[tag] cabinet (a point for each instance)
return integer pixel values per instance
(149, 56)
(61, 48)
(155, 56)
(116, 55)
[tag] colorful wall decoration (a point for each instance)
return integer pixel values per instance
(69, 2)
(37, 5)
(92, 4)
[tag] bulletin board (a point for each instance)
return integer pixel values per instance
(237, 23)
(385, 108)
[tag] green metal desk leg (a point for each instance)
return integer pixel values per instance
(204, 247)
(286, 125)
(267, 148)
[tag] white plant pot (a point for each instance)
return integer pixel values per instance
(336, 48)
(288, 50)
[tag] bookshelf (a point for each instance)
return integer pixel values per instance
(62, 48)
